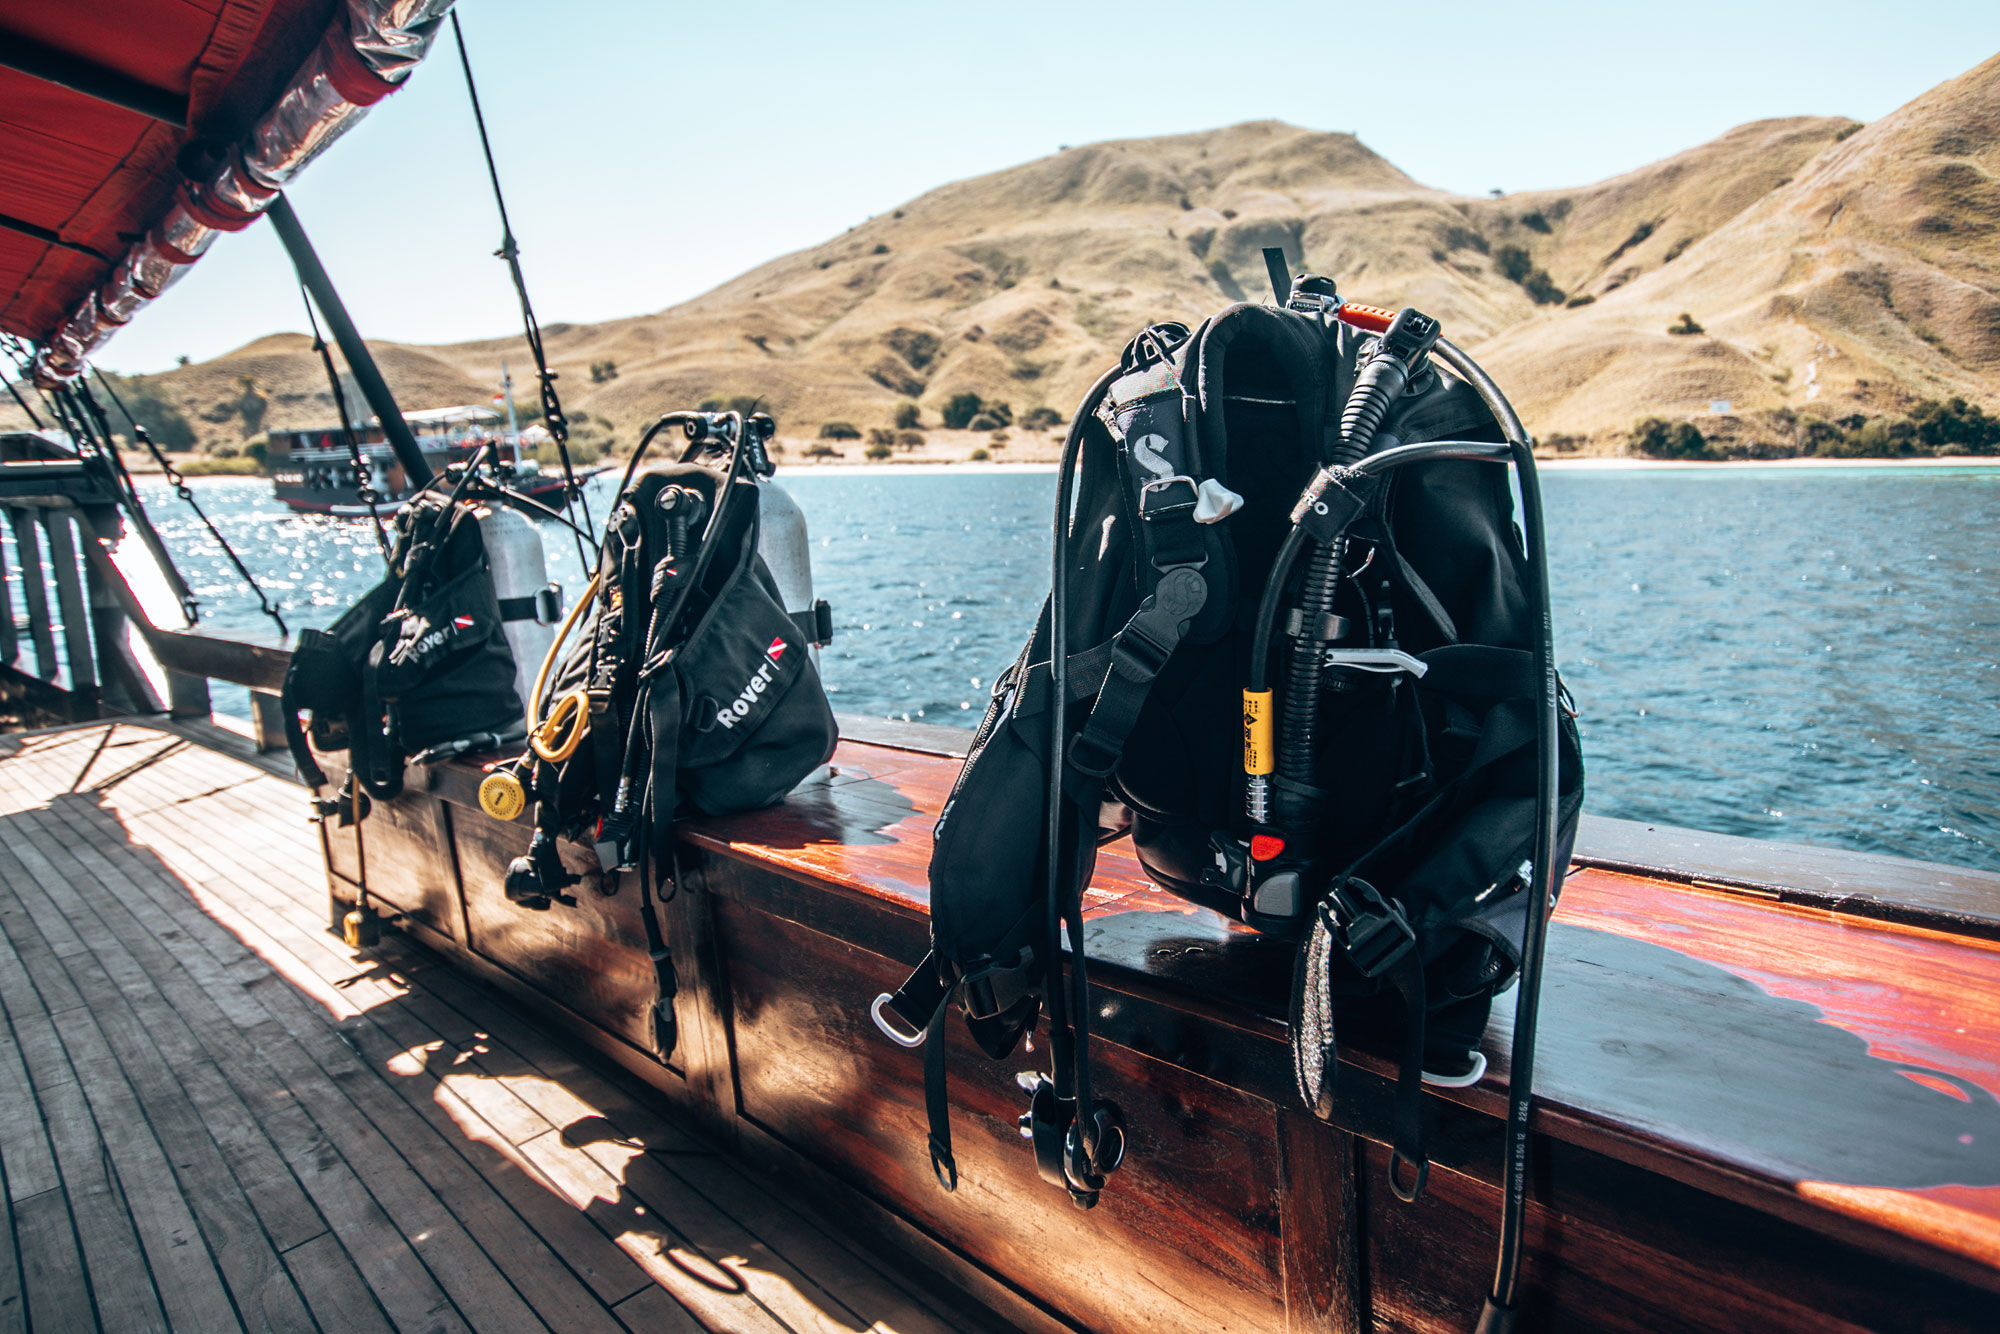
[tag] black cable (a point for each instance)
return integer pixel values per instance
(552, 412)
(186, 493)
(1069, 1014)
(363, 475)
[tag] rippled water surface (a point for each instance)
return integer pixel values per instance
(1805, 655)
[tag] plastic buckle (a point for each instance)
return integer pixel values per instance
(1047, 1125)
(880, 1010)
(548, 605)
(1373, 933)
(1230, 857)
(997, 987)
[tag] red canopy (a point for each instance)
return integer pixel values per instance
(82, 178)
(133, 132)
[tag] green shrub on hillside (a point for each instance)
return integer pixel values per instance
(910, 439)
(979, 456)
(1518, 266)
(960, 409)
(168, 426)
(881, 435)
(1956, 427)
(839, 431)
(907, 416)
(877, 452)
(964, 411)
(1658, 438)
(1041, 419)
(1685, 326)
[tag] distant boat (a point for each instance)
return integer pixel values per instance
(312, 470)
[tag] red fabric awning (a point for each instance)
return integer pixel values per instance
(82, 179)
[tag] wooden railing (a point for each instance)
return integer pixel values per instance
(66, 521)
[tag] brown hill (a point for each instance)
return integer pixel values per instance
(1834, 268)
(1867, 279)
(220, 396)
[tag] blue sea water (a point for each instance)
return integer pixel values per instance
(1809, 655)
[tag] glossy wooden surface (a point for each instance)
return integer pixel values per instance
(1755, 1110)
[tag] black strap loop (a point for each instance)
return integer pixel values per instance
(937, 1098)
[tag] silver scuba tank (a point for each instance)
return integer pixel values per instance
(787, 550)
(529, 603)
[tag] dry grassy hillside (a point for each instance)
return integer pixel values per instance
(1866, 279)
(1833, 267)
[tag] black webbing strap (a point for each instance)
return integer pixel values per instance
(915, 1002)
(814, 624)
(1086, 674)
(1375, 937)
(666, 982)
(1139, 652)
(937, 1097)
(1406, 975)
(543, 606)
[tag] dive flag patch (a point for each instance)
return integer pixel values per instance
(463, 622)
(777, 649)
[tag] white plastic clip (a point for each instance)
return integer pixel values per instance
(1388, 661)
(1215, 502)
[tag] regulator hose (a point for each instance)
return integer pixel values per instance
(555, 736)
(1381, 382)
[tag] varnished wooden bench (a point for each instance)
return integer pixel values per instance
(1766, 1086)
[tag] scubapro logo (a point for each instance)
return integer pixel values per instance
(739, 708)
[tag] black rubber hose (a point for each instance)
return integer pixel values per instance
(1069, 1015)
(1378, 386)
(1267, 607)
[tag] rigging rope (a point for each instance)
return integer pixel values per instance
(20, 353)
(364, 476)
(22, 401)
(186, 493)
(552, 412)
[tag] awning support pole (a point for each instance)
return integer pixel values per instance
(366, 376)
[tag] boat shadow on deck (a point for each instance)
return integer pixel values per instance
(213, 1115)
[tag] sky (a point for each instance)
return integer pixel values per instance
(651, 150)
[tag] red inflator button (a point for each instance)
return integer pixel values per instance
(1265, 847)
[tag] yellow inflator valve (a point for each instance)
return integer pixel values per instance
(1258, 755)
(501, 795)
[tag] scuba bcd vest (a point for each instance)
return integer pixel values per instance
(1302, 658)
(686, 686)
(418, 666)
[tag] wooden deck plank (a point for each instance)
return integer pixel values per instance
(119, 1287)
(24, 1144)
(231, 1201)
(331, 1142)
(55, 1285)
(331, 964)
(334, 1288)
(382, 1188)
(13, 1310)
(567, 1095)
(394, 1271)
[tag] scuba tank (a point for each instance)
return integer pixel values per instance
(529, 603)
(783, 546)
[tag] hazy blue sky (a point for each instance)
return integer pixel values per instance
(652, 150)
